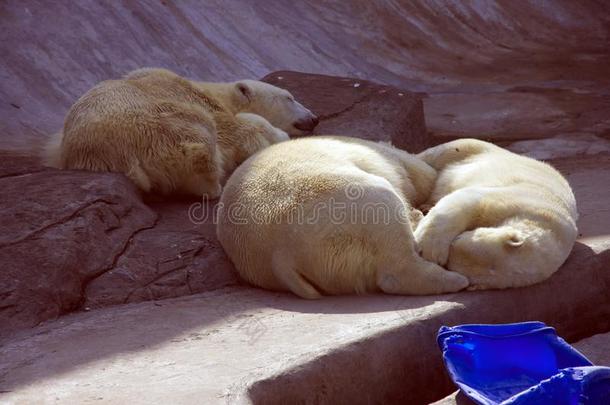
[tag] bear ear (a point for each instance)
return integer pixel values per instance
(514, 239)
(244, 91)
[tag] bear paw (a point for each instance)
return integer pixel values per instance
(433, 242)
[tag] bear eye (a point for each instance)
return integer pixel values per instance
(289, 98)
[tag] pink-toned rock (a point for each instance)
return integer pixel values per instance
(246, 345)
(506, 70)
(359, 108)
(59, 230)
(526, 71)
(78, 240)
(507, 114)
(322, 351)
(596, 348)
(180, 255)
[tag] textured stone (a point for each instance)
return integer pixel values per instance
(359, 108)
(180, 255)
(245, 345)
(596, 348)
(507, 114)
(504, 69)
(59, 230)
(79, 240)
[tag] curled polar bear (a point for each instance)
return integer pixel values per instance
(501, 219)
(330, 215)
(173, 135)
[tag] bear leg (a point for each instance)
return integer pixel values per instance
(139, 177)
(458, 212)
(401, 270)
(203, 170)
(283, 267)
(420, 277)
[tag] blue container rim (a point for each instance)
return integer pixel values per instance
(535, 327)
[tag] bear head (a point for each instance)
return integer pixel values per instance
(505, 256)
(276, 105)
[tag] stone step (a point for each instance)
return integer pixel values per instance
(242, 345)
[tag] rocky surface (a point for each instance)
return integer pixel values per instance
(596, 348)
(59, 230)
(154, 251)
(537, 111)
(178, 256)
(497, 69)
(359, 108)
(244, 345)
(76, 241)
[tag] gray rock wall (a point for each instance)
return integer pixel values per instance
(52, 52)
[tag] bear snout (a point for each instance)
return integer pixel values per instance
(307, 124)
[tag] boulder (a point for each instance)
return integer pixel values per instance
(80, 240)
(180, 255)
(359, 108)
(59, 231)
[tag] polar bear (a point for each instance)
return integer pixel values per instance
(501, 219)
(173, 135)
(330, 215)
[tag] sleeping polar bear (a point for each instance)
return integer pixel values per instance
(330, 215)
(169, 134)
(501, 219)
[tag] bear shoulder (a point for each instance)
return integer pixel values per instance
(163, 84)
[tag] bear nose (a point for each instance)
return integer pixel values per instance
(307, 124)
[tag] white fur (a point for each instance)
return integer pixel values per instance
(166, 133)
(278, 225)
(275, 104)
(501, 219)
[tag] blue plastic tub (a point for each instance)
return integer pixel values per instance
(521, 363)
